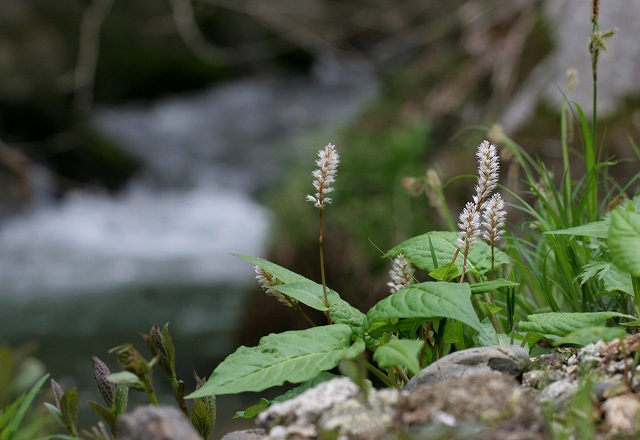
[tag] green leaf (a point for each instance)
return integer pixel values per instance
(490, 286)
(344, 313)
(69, 409)
(446, 272)
(613, 279)
(429, 300)
(599, 229)
(203, 417)
(624, 241)
(403, 352)
(54, 411)
(561, 324)
(253, 410)
(127, 378)
(307, 292)
(487, 335)
(293, 356)
(11, 417)
(284, 275)
(445, 244)
(121, 400)
(492, 307)
(104, 413)
(588, 335)
(310, 293)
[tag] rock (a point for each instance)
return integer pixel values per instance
(558, 393)
(485, 405)
(246, 434)
(336, 407)
(156, 423)
(541, 379)
(358, 420)
(508, 359)
(621, 414)
(296, 418)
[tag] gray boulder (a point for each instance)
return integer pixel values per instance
(508, 359)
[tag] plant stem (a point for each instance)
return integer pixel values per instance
(151, 393)
(324, 282)
(492, 316)
(306, 317)
(635, 282)
(379, 374)
(400, 372)
(427, 338)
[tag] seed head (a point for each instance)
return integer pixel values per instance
(327, 162)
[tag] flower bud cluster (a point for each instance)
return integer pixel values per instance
(267, 281)
(327, 163)
(401, 273)
(486, 210)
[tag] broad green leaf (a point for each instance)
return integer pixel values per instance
(418, 250)
(284, 275)
(599, 229)
(310, 293)
(307, 292)
(293, 356)
(489, 286)
(624, 241)
(487, 335)
(428, 300)
(403, 352)
(631, 324)
(344, 313)
(561, 324)
(445, 272)
(588, 335)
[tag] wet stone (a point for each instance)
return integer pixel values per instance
(156, 423)
(509, 359)
(246, 434)
(485, 405)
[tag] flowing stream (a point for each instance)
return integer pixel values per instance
(92, 271)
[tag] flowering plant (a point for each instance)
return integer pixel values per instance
(419, 312)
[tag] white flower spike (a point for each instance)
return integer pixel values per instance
(469, 225)
(488, 173)
(494, 217)
(401, 273)
(327, 162)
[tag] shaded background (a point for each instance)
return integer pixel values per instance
(143, 141)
